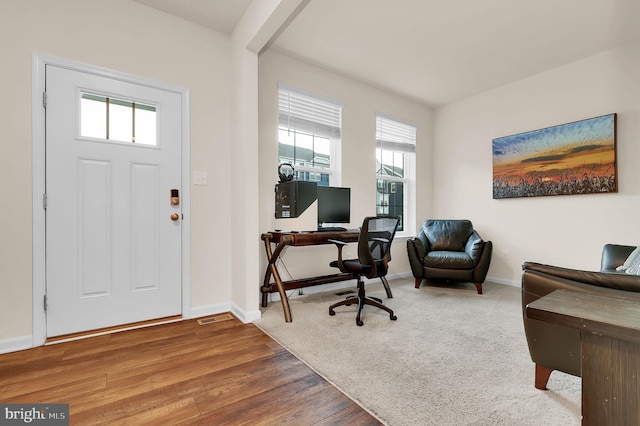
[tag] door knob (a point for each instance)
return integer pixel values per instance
(175, 216)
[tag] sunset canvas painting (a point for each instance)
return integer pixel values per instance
(572, 158)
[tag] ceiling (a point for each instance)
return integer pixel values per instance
(220, 15)
(436, 51)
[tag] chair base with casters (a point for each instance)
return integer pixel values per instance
(362, 299)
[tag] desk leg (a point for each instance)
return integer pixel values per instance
(273, 270)
(283, 294)
(267, 274)
(266, 286)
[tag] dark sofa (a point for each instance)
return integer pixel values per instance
(554, 347)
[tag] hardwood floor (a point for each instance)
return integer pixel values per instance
(220, 373)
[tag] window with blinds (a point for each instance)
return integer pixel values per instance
(309, 134)
(395, 168)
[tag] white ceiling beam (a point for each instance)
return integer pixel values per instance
(264, 20)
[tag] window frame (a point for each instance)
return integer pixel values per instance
(409, 170)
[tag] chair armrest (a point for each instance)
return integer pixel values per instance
(614, 255)
(420, 245)
(416, 251)
(474, 247)
(339, 244)
(482, 267)
(614, 280)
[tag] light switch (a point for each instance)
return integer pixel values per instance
(199, 178)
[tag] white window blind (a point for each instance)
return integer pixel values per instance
(308, 113)
(394, 135)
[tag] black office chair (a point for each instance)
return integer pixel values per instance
(374, 254)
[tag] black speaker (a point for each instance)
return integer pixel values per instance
(293, 198)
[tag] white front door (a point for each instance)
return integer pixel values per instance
(113, 228)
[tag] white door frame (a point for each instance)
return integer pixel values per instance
(39, 61)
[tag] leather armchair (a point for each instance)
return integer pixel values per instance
(449, 250)
(554, 347)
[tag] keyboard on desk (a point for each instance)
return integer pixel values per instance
(331, 229)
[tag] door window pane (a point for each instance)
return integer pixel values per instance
(120, 120)
(93, 110)
(145, 125)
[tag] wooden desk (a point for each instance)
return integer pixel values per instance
(284, 239)
(610, 346)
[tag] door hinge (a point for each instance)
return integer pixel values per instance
(45, 303)
(44, 99)
(44, 201)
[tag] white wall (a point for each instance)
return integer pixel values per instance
(562, 230)
(360, 104)
(127, 37)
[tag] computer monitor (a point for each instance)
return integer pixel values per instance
(334, 205)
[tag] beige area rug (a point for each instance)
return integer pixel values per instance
(453, 357)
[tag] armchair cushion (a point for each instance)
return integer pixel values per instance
(448, 260)
(447, 235)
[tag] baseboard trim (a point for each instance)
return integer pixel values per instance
(203, 311)
(16, 344)
(242, 315)
(245, 317)
(513, 283)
